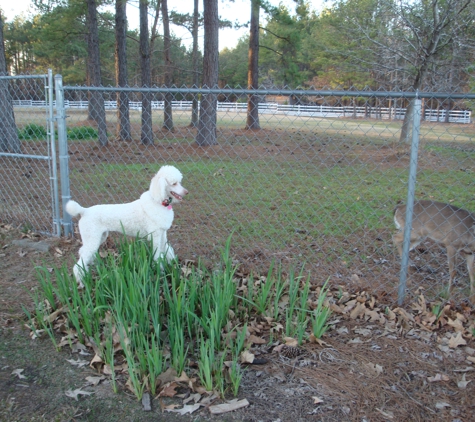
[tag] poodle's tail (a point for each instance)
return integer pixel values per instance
(74, 209)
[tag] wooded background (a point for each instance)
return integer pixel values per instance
(381, 44)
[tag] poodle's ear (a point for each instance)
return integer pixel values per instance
(158, 188)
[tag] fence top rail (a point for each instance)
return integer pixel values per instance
(23, 76)
(284, 92)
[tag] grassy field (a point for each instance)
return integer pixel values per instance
(371, 128)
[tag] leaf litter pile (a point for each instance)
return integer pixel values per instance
(373, 362)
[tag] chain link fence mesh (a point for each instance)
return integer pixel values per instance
(26, 164)
(311, 184)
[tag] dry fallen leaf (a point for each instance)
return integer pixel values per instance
(358, 311)
(457, 324)
(342, 330)
(18, 373)
(390, 314)
(255, 340)
(188, 408)
(247, 357)
(169, 390)
(51, 317)
(375, 316)
(78, 363)
(313, 339)
(228, 407)
(290, 341)
(458, 340)
(374, 368)
(442, 405)
(168, 376)
(317, 400)
(94, 381)
(183, 378)
(75, 393)
(470, 351)
(37, 334)
(462, 384)
(406, 316)
(277, 328)
(96, 362)
(365, 332)
(79, 348)
(196, 397)
(438, 377)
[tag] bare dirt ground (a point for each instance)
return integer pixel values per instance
(374, 365)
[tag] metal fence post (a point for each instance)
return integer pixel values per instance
(53, 162)
(63, 153)
(416, 125)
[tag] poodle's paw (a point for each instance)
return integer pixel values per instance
(170, 254)
(78, 272)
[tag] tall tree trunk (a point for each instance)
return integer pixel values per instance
(9, 141)
(194, 59)
(97, 110)
(147, 131)
(154, 32)
(123, 115)
(252, 121)
(208, 107)
(406, 128)
(168, 112)
(450, 82)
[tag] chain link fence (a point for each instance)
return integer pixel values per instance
(309, 181)
(28, 173)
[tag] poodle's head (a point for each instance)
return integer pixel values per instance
(166, 187)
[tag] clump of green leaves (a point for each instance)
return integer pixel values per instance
(320, 314)
(33, 131)
(82, 132)
(156, 315)
(147, 305)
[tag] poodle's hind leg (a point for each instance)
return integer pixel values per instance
(90, 245)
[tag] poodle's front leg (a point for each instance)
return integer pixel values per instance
(79, 270)
(169, 251)
(170, 254)
(158, 244)
(162, 249)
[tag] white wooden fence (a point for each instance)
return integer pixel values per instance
(380, 113)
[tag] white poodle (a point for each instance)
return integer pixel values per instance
(151, 216)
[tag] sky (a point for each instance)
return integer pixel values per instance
(239, 11)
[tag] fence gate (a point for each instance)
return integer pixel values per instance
(28, 169)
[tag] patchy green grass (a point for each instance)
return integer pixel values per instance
(336, 201)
